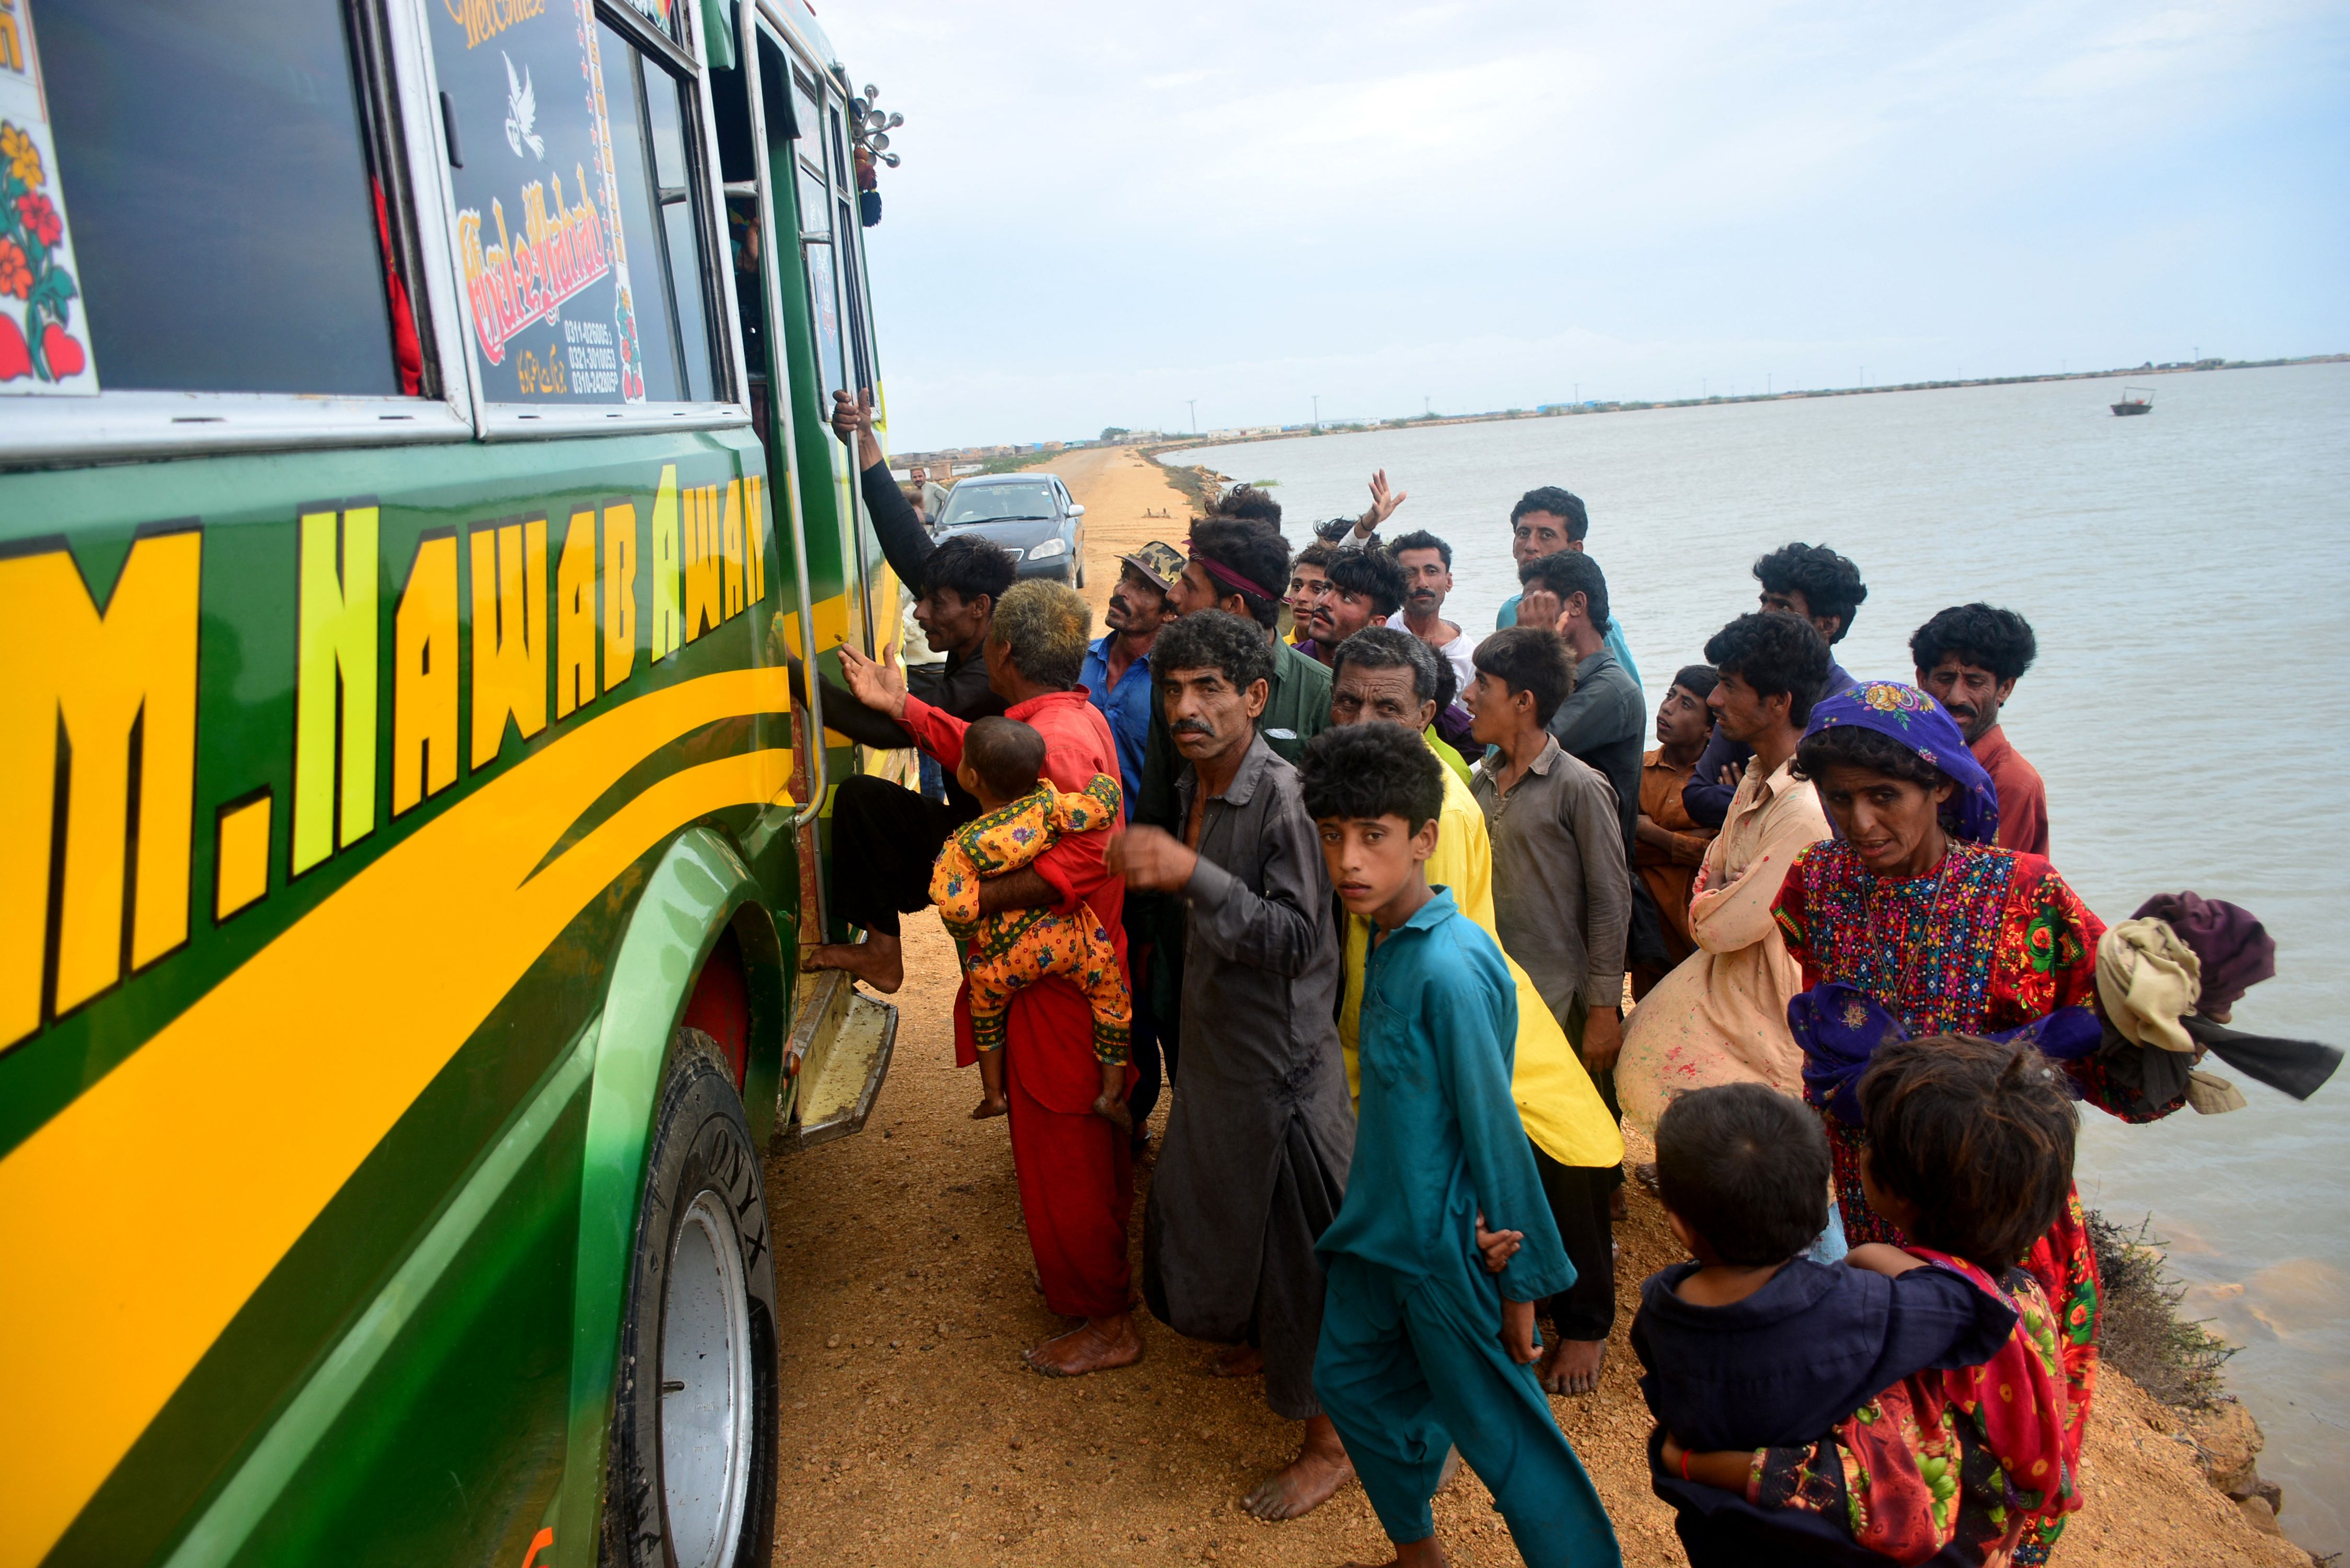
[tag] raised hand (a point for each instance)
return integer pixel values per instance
(852, 420)
(1539, 607)
(877, 685)
(1383, 504)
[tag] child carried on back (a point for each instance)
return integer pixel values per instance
(1813, 1413)
(1021, 816)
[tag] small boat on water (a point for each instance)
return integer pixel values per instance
(2136, 401)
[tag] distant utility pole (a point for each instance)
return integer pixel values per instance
(1428, 403)
(1766, 383)
(1317, 410)
(1193, 404)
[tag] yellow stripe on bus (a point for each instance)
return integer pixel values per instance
(150, 1208)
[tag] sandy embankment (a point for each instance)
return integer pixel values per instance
(912, 1434)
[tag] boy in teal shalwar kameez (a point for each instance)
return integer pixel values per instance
(1422, 1348)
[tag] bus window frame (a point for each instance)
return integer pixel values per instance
(830, 91)
(392, 65)
(387, 54)
(496, 422)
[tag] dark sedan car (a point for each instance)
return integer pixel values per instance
(1030, 514)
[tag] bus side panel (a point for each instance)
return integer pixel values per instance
(290, 1020)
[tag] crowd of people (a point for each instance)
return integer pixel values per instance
(1370, 891)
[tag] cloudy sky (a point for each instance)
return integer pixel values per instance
(1107, 210)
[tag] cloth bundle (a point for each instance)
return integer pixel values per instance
(2159, 982)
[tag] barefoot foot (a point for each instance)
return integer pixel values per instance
(879, 960)
(1099, 1344)
(991, 1105)
(1320, 1469)
(1572, 1365)
(1239, 1361)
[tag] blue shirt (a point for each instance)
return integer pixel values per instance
(1127, 706)
(1437, 1138)
(1814, 1345)
(1615, 638)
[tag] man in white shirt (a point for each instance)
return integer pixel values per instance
(1427, 563)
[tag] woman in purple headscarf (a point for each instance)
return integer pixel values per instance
(1911, 907)
(1911, 921)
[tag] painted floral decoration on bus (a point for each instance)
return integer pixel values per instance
(30, 228)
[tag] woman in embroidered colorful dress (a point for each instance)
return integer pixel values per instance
(1911, 907)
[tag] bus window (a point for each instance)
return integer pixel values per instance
(805, 117)
(557, 133)
(214, 164)
(665, 121)
(823, 304)
(847, 227)
(814, 202)
(648, 118)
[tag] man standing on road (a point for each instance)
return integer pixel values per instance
(1427, 563)
(1117, 674)
(1233, 564)
(1550, 522)
(1970, 656)
(934, 495)
(1075, 1172)
(1117, 678)
(1601, 723)
(1825, 589)
(1255, 1164)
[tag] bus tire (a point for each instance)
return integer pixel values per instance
(692, 1475)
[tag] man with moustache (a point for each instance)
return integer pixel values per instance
(1116, 673)
(1258, 1144)
(1427, 563)
(1970, 658)
(1365, 587)
(1825, 589)
(1550, 521)
(1117, 679)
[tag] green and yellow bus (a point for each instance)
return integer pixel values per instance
(413, 478)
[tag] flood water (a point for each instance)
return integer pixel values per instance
(2187, 574)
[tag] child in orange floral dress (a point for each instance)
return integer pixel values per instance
(1021, 816)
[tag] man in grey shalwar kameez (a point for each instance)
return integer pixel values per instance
(1258, 1143)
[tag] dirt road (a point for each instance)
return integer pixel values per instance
(1128, 503)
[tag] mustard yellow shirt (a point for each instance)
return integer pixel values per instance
(1556, 1102)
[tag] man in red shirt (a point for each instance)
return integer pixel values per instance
(1076, 1169)
(1970, 658)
